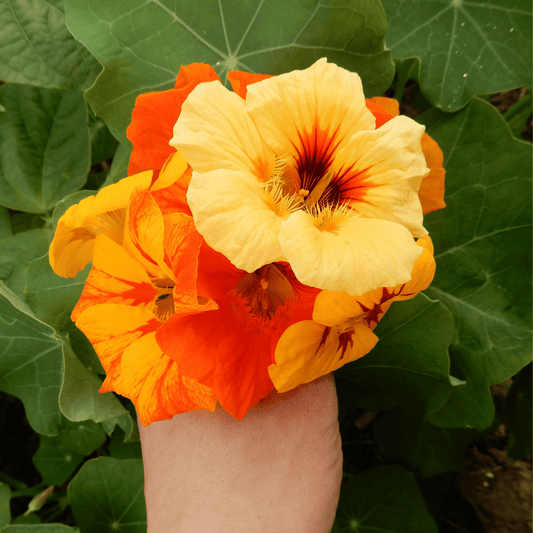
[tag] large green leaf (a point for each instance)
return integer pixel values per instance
(40, 528)
(483, 252)
(107, 495)
(54, 464)
(36, 47)
(15, 254)
(31, 363)
(425, 449)
(5, 511)
(410, 362)
(5, 224)
(465, 48)
(385, 500)
(52, 297)
(142, 44)
(44, 146)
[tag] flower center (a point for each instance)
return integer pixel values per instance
(163, 304)
(265, 293)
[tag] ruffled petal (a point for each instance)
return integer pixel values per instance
(115, 278)
(240, 81)
(359, 255)
(144, 235)
(172, 170)
(215, 350)
(336, 308)
(431, 192)
(313, 110)
(214, 131)
(236, 217)
(155, 114)
(308, 350)
(152, 381)
(111, 328)
(390, 165)
(72, 247)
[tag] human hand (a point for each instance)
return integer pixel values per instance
(278, 470)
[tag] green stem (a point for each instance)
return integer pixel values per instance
(29, 491)
(15, 483)
(517, 108)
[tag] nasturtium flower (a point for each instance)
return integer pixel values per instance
(341, 329)
(298, 172)
(307, 200)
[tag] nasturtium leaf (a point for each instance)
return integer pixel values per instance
(518, 415)
(119, 449)
(36, 47)
(5, 511)
(31, 518)
(425, 449)
(51, 297)
(128, 424)
(82, 437)
(483, 253)
(79, 398)
(31, 363)
(106, 495)
(5, 224)
(40, 528)
(464, 48)
(15, 254)
(385, 499)
(410, 362)
(142, 44)
(44, 146)
(55, 465)
(84, 349)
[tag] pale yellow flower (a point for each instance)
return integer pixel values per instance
(297, 172)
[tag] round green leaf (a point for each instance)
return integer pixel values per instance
(55, 465)
(464, 48)
(385, 499)
(5, 511)
(82, 437)
(483, 251)
(44, 146)
(40, 528)
(36, 47)
(107, 495)
(5, 224)
(31, 363)
(426, 449)
(410, 362)
(142, 44)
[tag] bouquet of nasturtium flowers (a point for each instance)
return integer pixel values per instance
(259, 237)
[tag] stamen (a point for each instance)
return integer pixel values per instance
(264, 284)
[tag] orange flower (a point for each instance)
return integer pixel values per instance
(130, 292)
(341, 329)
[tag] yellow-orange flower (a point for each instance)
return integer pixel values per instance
(341, 329)
(297, 172)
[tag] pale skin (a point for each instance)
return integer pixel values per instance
(278, 470)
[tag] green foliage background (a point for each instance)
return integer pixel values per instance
(71, 73)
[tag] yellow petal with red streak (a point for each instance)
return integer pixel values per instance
(172, 170)
(111, 328)
(308, 350)
(116, 278)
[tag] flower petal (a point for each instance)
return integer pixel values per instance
(172, 169)
(240, 81)
(391, 161)
(215, 131)
(154, 384)
(72, 247)
(111, 328)
(358, 256)
(236, 217)
(322, 105)
(154, 117)
(215, 350)
(308, 350)
(115, 278)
